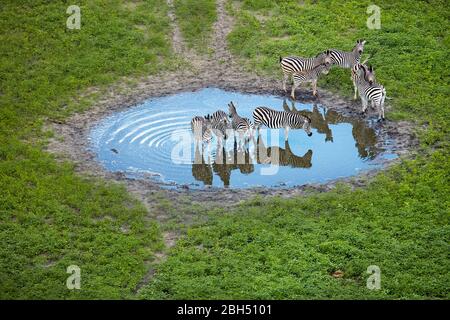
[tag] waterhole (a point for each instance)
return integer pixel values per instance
(153, 140)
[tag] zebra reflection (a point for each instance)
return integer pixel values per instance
(318, 120)
(201, 169)
(365, 137)
(285, 156)
(225, 162)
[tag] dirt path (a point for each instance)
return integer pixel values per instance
(218, 70)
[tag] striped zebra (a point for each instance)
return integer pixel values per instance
(309, 76)
(242, 126)
(346, 59)
(369, 75)
(220, 125)
(202, 129)
(375, 93)
(291, 65)
(274, 119)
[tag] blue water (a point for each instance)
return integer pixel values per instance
(153, 141)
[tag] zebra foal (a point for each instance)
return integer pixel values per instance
(309, 76)
(369, 75)
(292, 65)
(373, 92)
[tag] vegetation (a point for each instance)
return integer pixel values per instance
(195, 19)
(51, 217)
(317, 246)
(320, 246)
(290, 249)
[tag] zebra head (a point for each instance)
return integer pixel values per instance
(208, 121)
(367, 73)
(325, 68)
(327, 59)
(231, 109)
(370, 75)
(359, 47)
(307, 125)
(221, 129)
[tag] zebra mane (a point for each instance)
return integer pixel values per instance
(322, 53)
(364, 68)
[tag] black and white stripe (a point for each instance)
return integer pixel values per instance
(219, 116)
(242, 126)
(369, 75)
(309, 76)
(220, 125)
(274, 119)
(201, 128)
(292, 65)
(345, 59)
(374, 92)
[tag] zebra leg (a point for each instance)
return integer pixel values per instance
(314, 85)
(356, 90)
(286, 133)
(380, 117)
(294, 86)
(382, 104)
(285, 79)
(364, 105)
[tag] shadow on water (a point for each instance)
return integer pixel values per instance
(144, 139)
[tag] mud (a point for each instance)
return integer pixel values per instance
(220, 70)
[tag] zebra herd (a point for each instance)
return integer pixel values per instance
(304, 70)
(301, 70)
(221, 125)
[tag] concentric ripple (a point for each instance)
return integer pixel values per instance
(153, 140)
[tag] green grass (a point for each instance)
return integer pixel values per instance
(195, 19)
(51, 217)
(289, 249)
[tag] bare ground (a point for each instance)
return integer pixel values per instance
(220, 70)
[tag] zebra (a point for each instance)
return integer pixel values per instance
(345, 59)
(242, 126)
(202, 129)
(291, 65)
(370, 75)
(220, 125)
(309, 76)
(219, 116)
(274, 119)
(374, 92)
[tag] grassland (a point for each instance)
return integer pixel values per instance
(293, 248)
(195, 19)
(52, 217)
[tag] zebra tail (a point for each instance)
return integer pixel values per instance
(281, 58)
